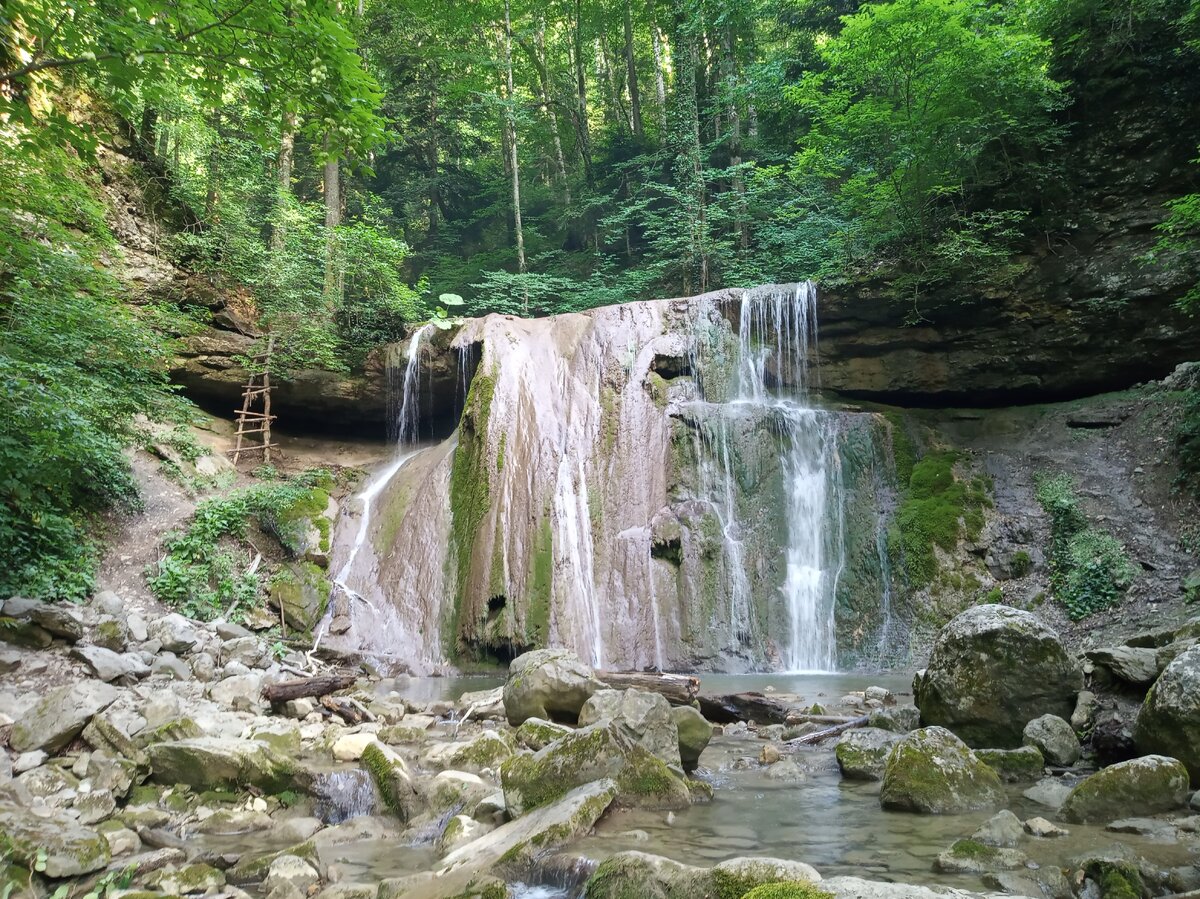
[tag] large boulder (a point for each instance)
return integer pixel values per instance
(862, 754)
(933, 772)
(548, 683)
(60, 716)
(215, 763)
(992, 670)
(1169, 722)
(1143, 786)
(1133, 665)
(175, 633)
(694, 734)
(1054, 738)
(601, 751)
(392, 779)
(646, 717)
(66, 849)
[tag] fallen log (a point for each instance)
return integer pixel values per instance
(819, 735)
(344, 708)
(678, 689)
(307, 686)
(753, 707)
(797, 718)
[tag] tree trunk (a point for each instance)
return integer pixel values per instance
(660, 82)
(615, 86)
(635, 102)
(163, 136)
(435, 198)
(539, 63)
(331, 180)
(307, 686)
(689, 171)
(511, 124)
(211, 194)
(283, 174)
(729, 64)
(753, 707)
(679, 689)
(581, 107)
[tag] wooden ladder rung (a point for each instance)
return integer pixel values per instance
(243, 413)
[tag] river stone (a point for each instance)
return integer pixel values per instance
(216, 763)
(1002, 830)
(1014, 765)
(457, 788)
(600, 751)
(694, 734)
(1169, 721)
(60, 716)
(1086, 705)
(537, 733)
(898, 719)
(290, 871)
(487, 750)
(862, 753)
(1054, 738)
(70, 849)
(646, 717)
(992, 670)
(1133, 665)
(1049, 791)
(242, 691)
(57, 619)
(934, 772)
(174, 633)
(548, 683)
(349, 747)
(1138, 787)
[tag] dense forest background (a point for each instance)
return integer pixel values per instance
(347, 166)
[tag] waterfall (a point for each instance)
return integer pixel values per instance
(403, 398)
(777, 341)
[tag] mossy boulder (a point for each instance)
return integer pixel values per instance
(537, 733)
(645, 717)
(1054, 738)
(1169, 721)
(1139, 787)
(60, 716)
(215, 763)
(933, 772)
(601, 751)
(254, 867)
(487, 750)
(548, 683)
(1014, 765)
(1114, 878)
(301, 590)
(695, 732)
(70, 850)
(788, 889)
(391, 777)
(639, 875)
(992, 670)
(975, 857)
(863, 753)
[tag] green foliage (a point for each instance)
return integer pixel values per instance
(936, 509)
(206, 569)
(1089, 568)
(76, 369)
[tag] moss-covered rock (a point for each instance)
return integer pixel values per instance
(639, 875)
(1014, 765)
(301, 590)
(487, 750)
(62, 846)
(1138, 787)
(1115, 878)
(1054, 738)
(933, 772)
(645, 717)
(537, 733)
(862, 753)
(212, 763)
(788, 889)
(590, 754)
(391, 777)
(992, 670)
(1169, 722)
(974, 857)
(254, 867)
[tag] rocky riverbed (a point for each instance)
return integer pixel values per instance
(143, 759)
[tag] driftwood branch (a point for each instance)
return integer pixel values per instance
(818, 736)
(307, 686)
(678, 689)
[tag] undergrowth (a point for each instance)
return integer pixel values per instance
(1089, 568)
(207, 569)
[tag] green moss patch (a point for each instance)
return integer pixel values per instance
(788, 889)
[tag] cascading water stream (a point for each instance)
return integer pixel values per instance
(404, 429)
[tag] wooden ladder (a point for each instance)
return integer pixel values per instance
(253, 421)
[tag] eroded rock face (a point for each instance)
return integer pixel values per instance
(933, 772)
(61, 716)
(1141, 786)
(992, 670)
(1169, 722)
(548, 683)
